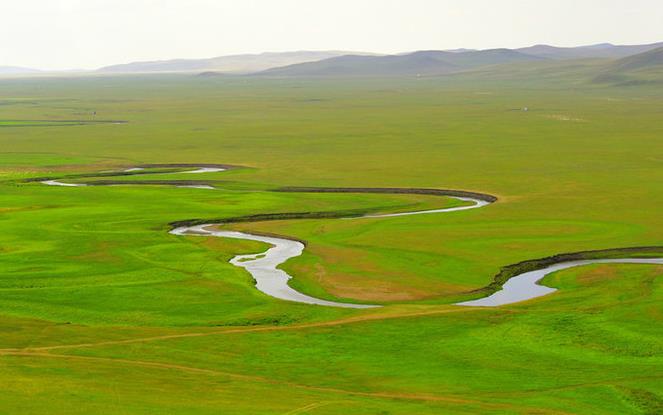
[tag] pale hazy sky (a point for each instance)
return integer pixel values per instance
(57, 34)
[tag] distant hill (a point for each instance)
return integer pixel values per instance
(10, 70)
(640, 68)
(226, 64)
(549, 72)
(460, 50)
(411, 64)
(640, 61)
(602, 62)
(602, 50)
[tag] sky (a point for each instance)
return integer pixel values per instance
(87, 34)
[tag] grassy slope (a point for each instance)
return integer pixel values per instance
(641, 68)
(578, 171)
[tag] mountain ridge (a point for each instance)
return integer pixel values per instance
(241, 63)
(420, 63)
(597, 51)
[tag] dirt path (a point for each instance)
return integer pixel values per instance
(201, 371)
(349, 320)
(419, 397)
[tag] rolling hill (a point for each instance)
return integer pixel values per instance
(245, 63)
(602, 50)
(412, 64)
(644, 67)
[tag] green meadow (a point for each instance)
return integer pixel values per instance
(103, 311)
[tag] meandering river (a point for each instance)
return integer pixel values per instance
(525, 286)
(264, 266)
(273, 281)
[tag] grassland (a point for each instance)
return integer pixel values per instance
(102, 311)
(52, 123)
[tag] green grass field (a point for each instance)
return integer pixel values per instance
(103, 311)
